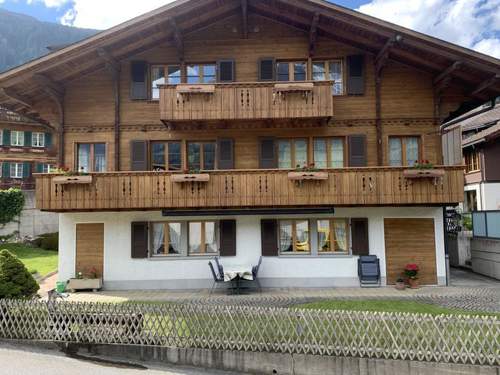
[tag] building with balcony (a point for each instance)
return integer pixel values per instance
(295, 131)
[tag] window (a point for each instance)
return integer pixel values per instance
(16, 138)
(291, 71)
(173, 77)
(1, 137)
(16, 170)
(294, 236)
(329, 70)
(202, 238)
(38, 139)
(201, 73)
(166, 239)
(332, 236)
(292, 153)
(404, 151)
(91, 157)
(166, 156)
(328, 152)
(471, 160)
(46, 168)
(201, 155)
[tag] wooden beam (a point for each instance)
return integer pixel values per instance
(179, 44)
(447, 72)
(442, 85)
(485, 85)
(383, 55)
(46, 81)
(13, 96)
(244, 19)
(112, 64)
(313, 34)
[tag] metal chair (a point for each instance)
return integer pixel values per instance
(219, 266)
(369, 270)
(218, 278)
(255, 272)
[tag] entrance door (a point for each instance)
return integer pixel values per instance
(89, 248)
(410, 241)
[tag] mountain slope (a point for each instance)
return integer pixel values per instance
(24, 38)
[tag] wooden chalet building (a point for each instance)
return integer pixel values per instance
(191, 121)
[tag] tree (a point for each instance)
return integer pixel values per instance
(15, 280)
(11, 205)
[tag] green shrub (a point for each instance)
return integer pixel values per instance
(15, 279)
(47, 241)
(11, 205)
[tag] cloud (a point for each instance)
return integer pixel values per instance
(469, 23)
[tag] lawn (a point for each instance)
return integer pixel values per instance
(35, 259)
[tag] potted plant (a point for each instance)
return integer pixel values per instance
(400, 284)
(67, 176)
(423, 169)
(85, 280)
(191, 175)
(411, 272)
(307, 172)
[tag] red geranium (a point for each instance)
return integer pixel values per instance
(411, 270)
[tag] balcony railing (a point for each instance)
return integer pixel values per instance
(247, 189)
(244, 101)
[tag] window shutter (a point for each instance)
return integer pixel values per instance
(39, 168)
(48, 140)
(357, 150)
(27, 139)
(138, 89)
(225, 71)
(359, 232)
(139, 243)
(355, 75)
(138, 156)
(269, 237)
(6, 137)
(267, 71)
(26, 170)
(225, 153)
(267, 153)
(227, 238)
(5, 169)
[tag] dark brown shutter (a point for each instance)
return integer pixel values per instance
(139, 81)
(269, 237)
(227, 238)
(267, 69)
(225, 71)
(355, 75)
(225, 153)
(267, 153)
(138, 156)
(357, 150)
(359, 232)
(139, 241)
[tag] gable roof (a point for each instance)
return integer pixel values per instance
(476, 73)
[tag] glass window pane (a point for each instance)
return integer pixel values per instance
(318, 71)
(158, 157)
(99, 157)
(174, 156)
(83, 163)
(193, 74)
(208, 73)
(286, 236)
(158, 235)
(194, 156)
(209, 156)
(157, 78)
(395, 152)
(210, 237)
(324, 244)
(340, 233)
(336, 153)
(174, 238)
(174, 74)
(300, 153)
(411, 150)
(493, 224)
(479, 224)
(194, 238)
(299, 71)
(320, 159)
(302, 235)
(335, 75)
(282, 73)
(284, 154)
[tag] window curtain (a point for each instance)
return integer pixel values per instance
(340, 235)
(300, 153)
(286, 236)
(337, 153)
(83, 157)
(174, 231)
(158, 235)
(395, 150)
(284, 155)
(320, 153)
(411, 150)
(100, 157)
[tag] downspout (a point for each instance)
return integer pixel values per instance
(446, 255)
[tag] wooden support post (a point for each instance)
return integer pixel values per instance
(485, 85)
(378, 117)
(447, 72)
(244, 19)
(383, 55)
(313, 34)
(179, 44)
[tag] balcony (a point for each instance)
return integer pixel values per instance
(245, 101)
(247, 189)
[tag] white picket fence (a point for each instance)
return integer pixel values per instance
(441, 338)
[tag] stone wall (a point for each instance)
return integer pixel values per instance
(486, 256)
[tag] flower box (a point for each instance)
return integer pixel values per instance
(301, 176)
(423, 173)
(82, 284)
(195, 89)
(191, 177)
(66, 180)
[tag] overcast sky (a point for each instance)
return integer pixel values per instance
(470, 23)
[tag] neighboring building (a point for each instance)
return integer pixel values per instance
(243, 92)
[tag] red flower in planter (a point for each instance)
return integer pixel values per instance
(411, 270)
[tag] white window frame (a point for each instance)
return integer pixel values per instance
(40, 139)
(1, 138)
(18, 170)
(46, 168)
(19, 138)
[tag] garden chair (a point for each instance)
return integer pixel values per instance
(369, 270)
(218, 278)
(255, 272)
(219, 266)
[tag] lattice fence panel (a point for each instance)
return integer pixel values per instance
(422, 337)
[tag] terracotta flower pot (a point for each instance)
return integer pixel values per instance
(414, 284)
(400, 285)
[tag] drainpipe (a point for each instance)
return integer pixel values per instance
(446, 255)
